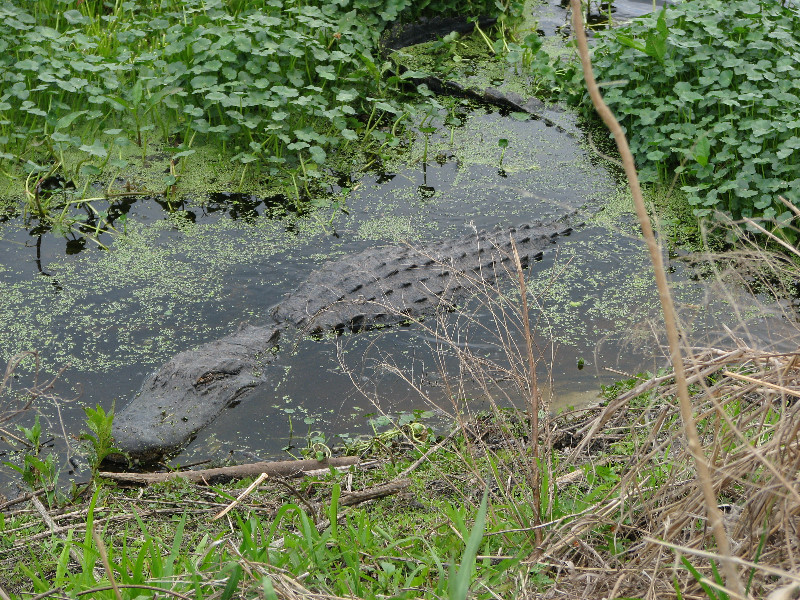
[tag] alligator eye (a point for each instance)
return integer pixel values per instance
(355, 289)
(393, 273)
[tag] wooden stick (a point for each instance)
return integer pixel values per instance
(283, 468)
(73, 551)
(241, 496)
(371, 493)
(761, 383)
(704, 480)
(24, 498)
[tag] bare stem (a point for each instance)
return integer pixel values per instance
(670, 320)
(537, 461)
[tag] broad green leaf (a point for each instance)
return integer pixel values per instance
(702, 149)
(96, 149)
(67, 120)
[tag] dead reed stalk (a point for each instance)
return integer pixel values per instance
(703, 470)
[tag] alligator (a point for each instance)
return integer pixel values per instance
(379, 286)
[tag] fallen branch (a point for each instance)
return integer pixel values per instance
(281, 468)
(371, 493)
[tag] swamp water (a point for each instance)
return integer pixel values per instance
(171, 283)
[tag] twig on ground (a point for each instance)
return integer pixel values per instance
(241, 496)
(283, 468)
(73, 551)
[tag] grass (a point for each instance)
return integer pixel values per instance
(616, 494)
(606, 505)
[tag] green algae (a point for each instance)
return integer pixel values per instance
(392, 228)
(467, 61)
(162, 281)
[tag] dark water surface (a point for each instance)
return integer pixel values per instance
(167, 285)
(553, 16)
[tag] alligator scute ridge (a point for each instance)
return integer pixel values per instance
(383, 285)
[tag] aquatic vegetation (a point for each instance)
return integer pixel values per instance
(275, 86)
(707, 93)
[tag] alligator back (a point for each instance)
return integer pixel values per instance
(391, 284)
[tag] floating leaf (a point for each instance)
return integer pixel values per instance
(89, 170)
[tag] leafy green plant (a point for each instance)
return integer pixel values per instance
(712, 592)
(37, 472)
(458, 584)
(316, 446)
(100, 439)
(278, 87)
(502, 143)
(33, 434)
(707, 94)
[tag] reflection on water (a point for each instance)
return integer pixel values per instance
(553, 17)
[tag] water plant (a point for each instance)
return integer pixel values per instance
(707, 94)
(92, 94)
(99, 437)
(502, 143)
